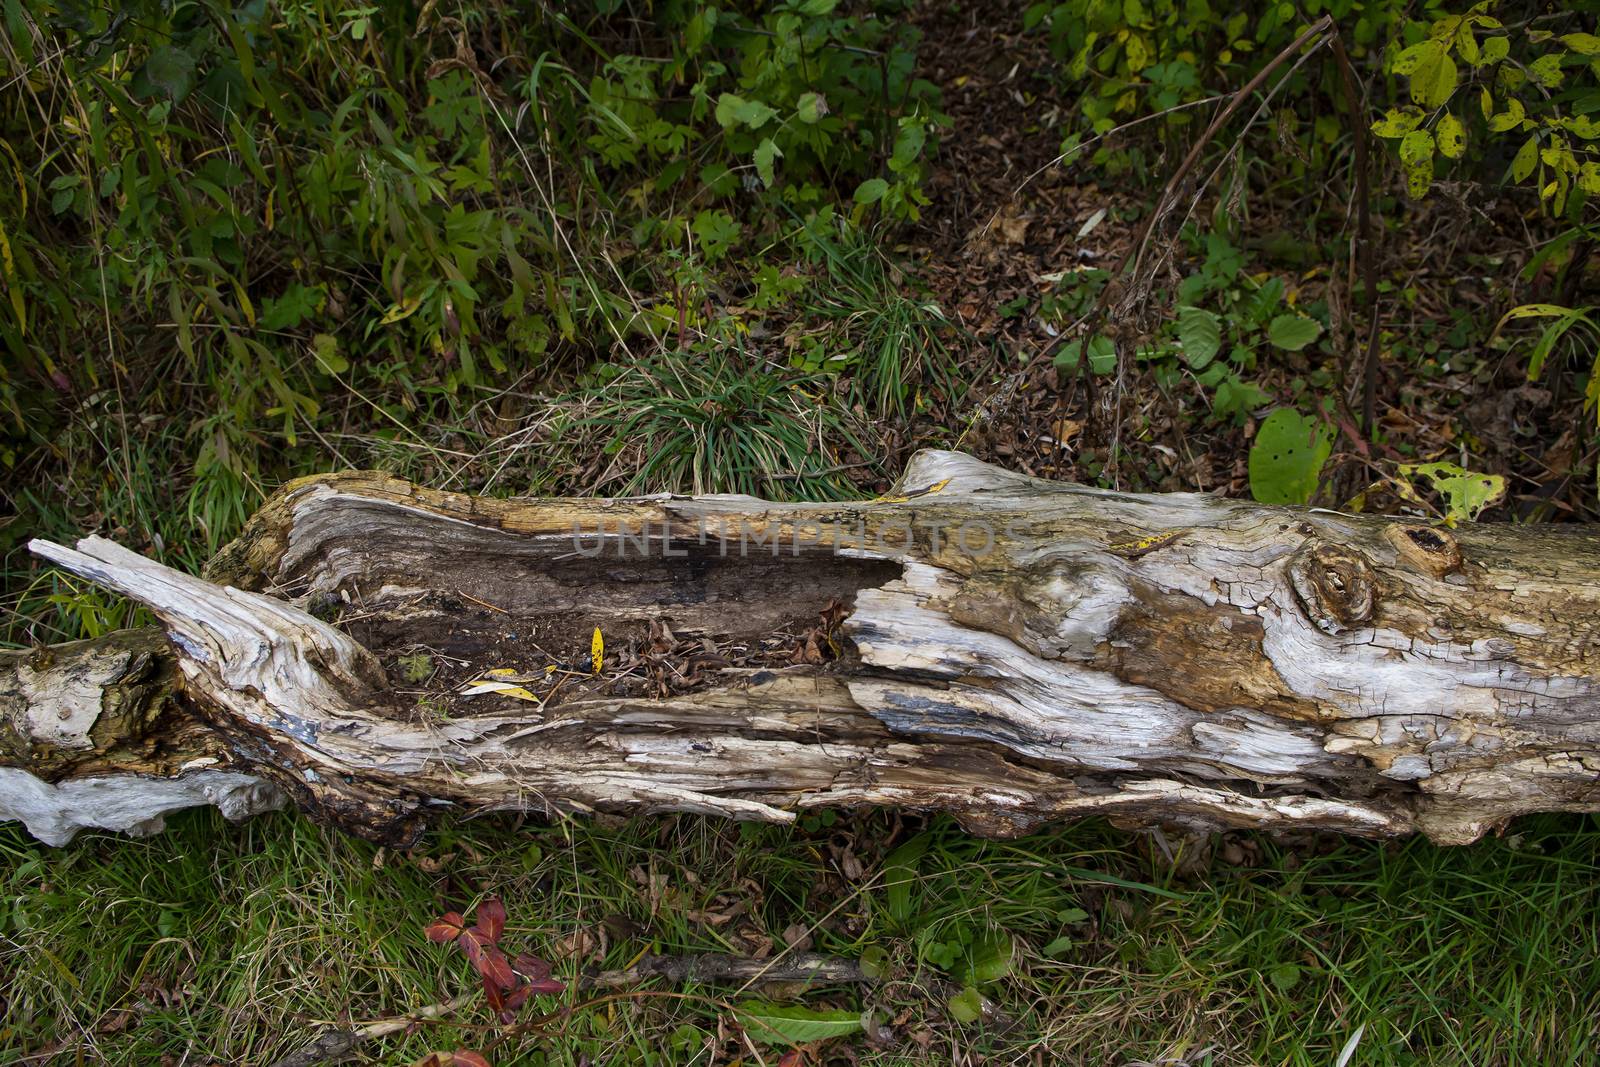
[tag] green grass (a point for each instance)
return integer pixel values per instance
(229, 944)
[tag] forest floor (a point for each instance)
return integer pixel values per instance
(216, 943)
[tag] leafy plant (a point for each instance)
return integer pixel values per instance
(791, 1024)
(508, 982)
(1535, 88)
(1286, 458)
(1466, 493)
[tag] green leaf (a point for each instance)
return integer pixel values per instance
(766, 152)
(990, 959)
(728, 105)
(1410, 59)
(169, 70)
(1585, 44)
(734, 110)
(900, 877)
(1285, 976)
(1416, 158)
(1434, 79)
(325, 346)
(1466, 493)
(1292, 332)
(1451, 135)
(1059, 946)
(907, 146)
(1546, 70)
(966, 1006)
(1527, 157)
(1286, 458)
(1200, 333)
(1507, 119)
(1102, 355)
(811, 107)
(1494, 50)
(871, 191)
(775, 1024)
(1398, 121)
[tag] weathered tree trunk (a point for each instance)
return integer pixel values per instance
(1002, 648)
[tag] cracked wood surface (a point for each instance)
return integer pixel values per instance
(1012, 651)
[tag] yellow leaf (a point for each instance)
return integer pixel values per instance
(13, 284)
(496, 682)
(402, 310)
(597, 651)
(1452, 137)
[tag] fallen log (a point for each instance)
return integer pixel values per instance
(1005, 649)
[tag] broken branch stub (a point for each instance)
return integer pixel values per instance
(1006, 649)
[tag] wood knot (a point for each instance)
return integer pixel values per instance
(1427, 548)
(1333, 585)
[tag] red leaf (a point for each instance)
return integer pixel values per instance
(464, 1058)
(551, 986)
(518, 997)
(793, 1058)
(488, 960)
(492, 994)
(471, 947)
(492, 918)
(530, 966)
(446, 927)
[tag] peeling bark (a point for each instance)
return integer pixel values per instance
(1006, 649)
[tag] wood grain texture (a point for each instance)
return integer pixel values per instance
(1009, 650)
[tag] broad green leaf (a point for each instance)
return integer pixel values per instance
(966, 1006)
(1546, 70)
(1285, 976)
(908, 146)
(728, 105)
(1466, 493)
(1585, 44)
(1508, 118)
(1200, 333)
(775, 1024)
(754, 113)
(1434, 80)
(1582, 126)
(1287, 457)
(1494, 50)
(168, 70)
(1059, 946)
(1411, 58)
(734, 110)
(1398, 121)
(990, 958)
(871, 191)
(1293, 332)
(1416, 159)
(1102, 355)
(325, 346)
(1452, 137)
(1526, 159)
(766, 152)
(811, 107)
